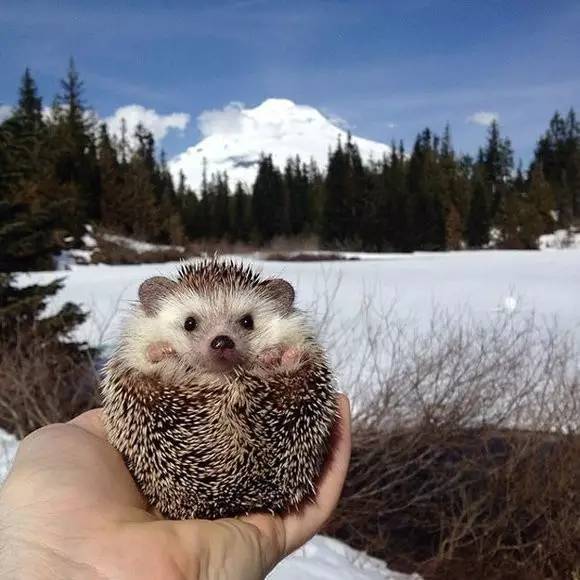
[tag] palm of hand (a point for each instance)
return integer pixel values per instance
(71, 501)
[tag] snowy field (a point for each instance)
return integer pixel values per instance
(353, 300)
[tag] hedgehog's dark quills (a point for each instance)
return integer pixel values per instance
(234, 413)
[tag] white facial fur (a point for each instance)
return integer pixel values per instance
(216, 314)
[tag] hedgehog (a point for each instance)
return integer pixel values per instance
(218, 396)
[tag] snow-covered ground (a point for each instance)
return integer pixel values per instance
(8, 447)
(138, 246)
(560, 240)
(328, 559)
(70, 257)
(353, 295)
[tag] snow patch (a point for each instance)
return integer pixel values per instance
(560, 240)
(138, 246)
(327, 559)
(8, 448)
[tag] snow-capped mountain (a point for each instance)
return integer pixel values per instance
(235, 137)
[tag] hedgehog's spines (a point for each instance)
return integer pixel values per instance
(209, 273)
(241, 443)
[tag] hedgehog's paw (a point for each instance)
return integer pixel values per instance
(291, 357)
(158, 351)
(285, 357)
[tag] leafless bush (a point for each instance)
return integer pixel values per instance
(114, 254)
(306, 257)
(279, 244)
(466, 458)
(305, 243)
(43, 383)
(211, 247)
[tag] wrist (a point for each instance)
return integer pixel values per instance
(22, 559)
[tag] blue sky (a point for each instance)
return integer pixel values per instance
(387, 69)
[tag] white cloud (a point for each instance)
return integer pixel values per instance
(5, 112)
(484, 118)
(221, 121)
(391, 125)
(158, 124)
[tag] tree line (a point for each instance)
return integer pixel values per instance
(60, 168)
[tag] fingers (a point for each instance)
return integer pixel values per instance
(282, 536)
(302, 526)
(91, 421)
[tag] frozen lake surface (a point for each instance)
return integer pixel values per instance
(351, 295)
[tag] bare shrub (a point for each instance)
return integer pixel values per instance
(115, 254)
(466, 458)
(306, 257)
(42, 383)
(211, 247)
(279, 244)
(305, 242)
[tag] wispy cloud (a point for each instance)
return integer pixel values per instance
(158, 124)
(484, 118)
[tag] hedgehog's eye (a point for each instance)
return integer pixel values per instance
(247, 322)
(190, 323)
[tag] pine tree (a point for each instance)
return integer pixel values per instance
(23, 246)
(74, 149)
(401, 213)
(427, 211)
(453, 228)
(24, 138)
(297, 186)
(541, 199)
(170, 222)
(336, 216)
(509, 219)
(348, 197)
(221, 217)
(112, 182)
(558, 153)
(241, 214)
(498, 160)
(205, 229)
(139, 208)
(189, 208)
(26, 175)
(316, 197)
(28, 112)
(269, 209)
(478, 221)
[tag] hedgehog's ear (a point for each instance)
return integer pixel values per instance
(280, 291)
(153, 290)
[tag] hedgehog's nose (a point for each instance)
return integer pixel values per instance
(222, 342)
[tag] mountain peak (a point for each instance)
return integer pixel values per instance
(275, 104)
(235, 137)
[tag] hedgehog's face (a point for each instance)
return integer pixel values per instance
(220, 329)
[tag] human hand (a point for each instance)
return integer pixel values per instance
(69, 509)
